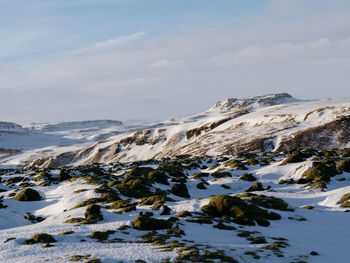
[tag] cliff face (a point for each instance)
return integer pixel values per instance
(274, 122)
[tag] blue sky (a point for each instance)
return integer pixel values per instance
(37, 28)
(64, 60)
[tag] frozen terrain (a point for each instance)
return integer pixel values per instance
(312, 227)
(260, 179)
(275, 122)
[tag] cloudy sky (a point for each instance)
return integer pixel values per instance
(63, 60)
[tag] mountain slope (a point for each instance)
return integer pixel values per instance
(263, 123)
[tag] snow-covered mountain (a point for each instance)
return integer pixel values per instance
(273, 122)
(64, 126)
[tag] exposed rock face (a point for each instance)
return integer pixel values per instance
(275, 122)
(252, 102)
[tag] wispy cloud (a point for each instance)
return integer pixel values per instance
(137, 77)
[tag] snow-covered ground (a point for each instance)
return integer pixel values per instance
(323, 229)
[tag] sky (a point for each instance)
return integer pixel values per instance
(69, 60)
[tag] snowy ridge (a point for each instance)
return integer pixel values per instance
(232, 104)
(11, 127)
(275, 122)
(62, 126)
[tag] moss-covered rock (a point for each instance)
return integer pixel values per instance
(184, 214)
(345, 200)
(135, 187)
(64, 175)
(296, 157)
(248, 177)
(240, 210)
(180, 190)
(236, 164)
(255, 187)
(93, 213)
(101, 235)
(40, 238)
(320, 173)
(158, 177)
(344, 152)
(89, 201)
(269, 202)
(14, 180)
(220, 174)
(200, 175)
(201, 186)
(344, 165)
(28, 194)
(153, 199)
(142, 222)
(121, 204)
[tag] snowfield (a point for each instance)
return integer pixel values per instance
(322, 231)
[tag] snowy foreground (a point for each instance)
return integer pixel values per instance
(312, 226)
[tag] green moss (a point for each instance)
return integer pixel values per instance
(126, 209)
(276, 246)
(266, 201)
(243, 212)
(200, 175)
(135, 187)
(257, 240)
(142, 222)
(345, 200)
(219, 174)
(344, 165)
(184, 214)
(87, 202)
(253, 254)
(42, 176)
(248, 177)
(223, 226)
(200, 220)
(158, 177)
(75, 220)
(28, 194)
(93, 260)
(110, 196)
(180, 190)
(14, 180)
(344, 152)
(79, 257)
(308, 207)
(101, 235)
(40, 238)
(121, 204)
(255, 187)
(93, 212)
(153, 199)
(236, 164)
(157, 205)
(296, 157)
(195, 255)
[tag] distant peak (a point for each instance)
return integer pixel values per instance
(252, 102)
(61, 126)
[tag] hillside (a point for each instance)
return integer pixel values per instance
(275, 122)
